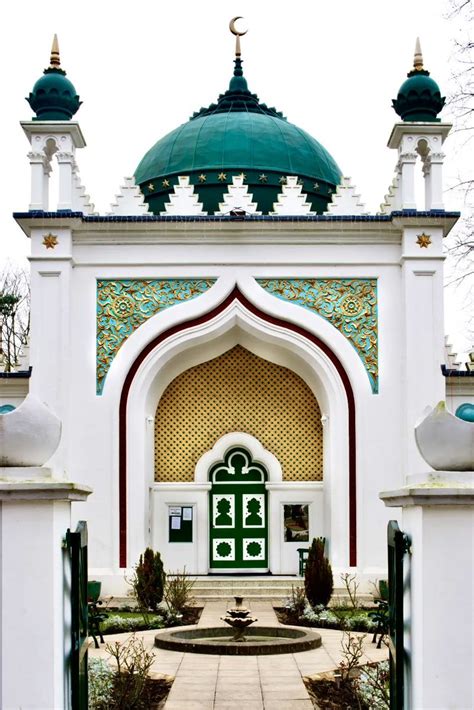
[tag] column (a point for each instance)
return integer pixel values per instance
(407, 165)
(35, 608)
(438, 515)
(39, 169)
(436, 196)
(66, 164)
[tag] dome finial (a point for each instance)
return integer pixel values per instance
(237, 34)
(55, 61)
(418, 59)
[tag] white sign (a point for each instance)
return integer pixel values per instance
(175, 510)
(187, 513)
(175, 523)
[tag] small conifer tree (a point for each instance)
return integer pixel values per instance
(149, 580)
(318, 581)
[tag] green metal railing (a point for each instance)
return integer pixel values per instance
(398, 545)
(76, 543)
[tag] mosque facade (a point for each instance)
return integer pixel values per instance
(238, 351)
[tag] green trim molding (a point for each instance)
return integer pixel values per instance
(123, 305)
(350, 305)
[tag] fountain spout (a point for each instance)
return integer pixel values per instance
(238, 617)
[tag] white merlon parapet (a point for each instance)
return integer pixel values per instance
(413, 140)
(392, 201)
(183, 201)
(346, 200)
(130, 200)
(292, 201)
(238, 198)
(451, 360)
(81, 202)
(53, 138)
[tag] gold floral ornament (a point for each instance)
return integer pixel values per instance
(124, 305)
(350, 305)
(50, 241)
(423, 240)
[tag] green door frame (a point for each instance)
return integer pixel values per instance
(238, 515)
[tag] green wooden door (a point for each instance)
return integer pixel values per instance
(238, 514)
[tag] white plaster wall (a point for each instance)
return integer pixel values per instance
(33, 622)
(90, 423)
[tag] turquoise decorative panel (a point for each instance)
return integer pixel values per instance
(350, 305)
(124, 304)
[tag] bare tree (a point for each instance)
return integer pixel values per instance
(461, 102)
(14, 314)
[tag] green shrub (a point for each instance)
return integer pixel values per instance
(101, 683)
(148, 581)
(318, 581)
(133, 663)
(178, 592)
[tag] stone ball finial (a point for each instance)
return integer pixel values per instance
(446, 442)
(29, 435)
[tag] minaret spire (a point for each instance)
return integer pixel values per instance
(55, 61)
(418, 59)
(237, 34)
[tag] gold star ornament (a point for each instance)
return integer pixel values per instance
(423, 240)
(222, 177)
(263, 178)
(282, 180)
(50, 241)
(202, 178)
(151, 187)
(165, 183)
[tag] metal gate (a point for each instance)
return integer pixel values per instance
(398, 545)
(76, 543)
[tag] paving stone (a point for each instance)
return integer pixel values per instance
(188, 705)
(290, 693)
(287, 704)
(237, 705)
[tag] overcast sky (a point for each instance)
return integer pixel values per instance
(141, 69)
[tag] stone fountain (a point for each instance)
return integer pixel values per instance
(238, 618)
(261, 640)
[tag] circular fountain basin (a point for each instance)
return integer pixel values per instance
(260, 640)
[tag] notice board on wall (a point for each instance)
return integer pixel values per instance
(180, 523)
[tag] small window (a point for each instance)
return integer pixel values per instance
(296, 522)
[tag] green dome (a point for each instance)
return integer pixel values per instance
(237, 135)
(419, 97)
(54, 97)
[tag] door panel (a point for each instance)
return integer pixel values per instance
(238, 514)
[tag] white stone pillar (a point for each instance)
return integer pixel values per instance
(421, 309)
(438, 515)
(39, 171)
(35, 513)
(66, 165)
(436, 183)
(427, 181)
(407, 182)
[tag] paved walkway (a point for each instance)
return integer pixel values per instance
(210, 682)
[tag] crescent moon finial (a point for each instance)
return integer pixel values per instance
(237, 34)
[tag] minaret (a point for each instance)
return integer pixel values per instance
(52, 132)
(420, 134)
(419, 137)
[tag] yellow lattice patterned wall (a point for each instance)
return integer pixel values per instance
(238, 391)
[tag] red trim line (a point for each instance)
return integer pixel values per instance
(236, 295)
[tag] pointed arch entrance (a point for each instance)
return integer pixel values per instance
(296, 334)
